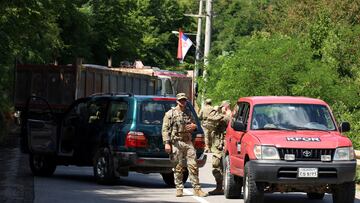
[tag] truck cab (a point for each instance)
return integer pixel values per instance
(287, 144)
(165, 86)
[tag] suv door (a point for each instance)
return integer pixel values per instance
(41, 126)
(94, 127)
(72, 125)
(236, 136)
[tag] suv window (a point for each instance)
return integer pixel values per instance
(243, 112)
(168, 87)
(152, 112)
(117, 112)
(96, 111)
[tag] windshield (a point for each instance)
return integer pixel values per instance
(291, 117)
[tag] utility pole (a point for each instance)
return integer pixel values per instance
(207, 43)
(198, 40)
(207, 33)
(198, 45)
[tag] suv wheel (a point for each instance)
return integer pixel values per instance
(42, 165)
(253, 191)
(232, 184)
(315, 195)
(104, 167)
(169, 178)
(344, 193)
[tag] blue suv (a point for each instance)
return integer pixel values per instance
(113, 133)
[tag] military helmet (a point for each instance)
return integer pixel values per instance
(225, 103)
(181, 96)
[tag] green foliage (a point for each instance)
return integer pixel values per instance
(262, 65)
(319, 31)
(233, 20)
(138, 30)
(300, 48)
(76, 32)
(357, 177)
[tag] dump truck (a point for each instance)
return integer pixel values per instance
(179, 82)
(60, 85)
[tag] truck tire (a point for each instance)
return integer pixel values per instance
(253, 191)
(103, 166)
(232, 184)
(42, 165)
(315, 195)
(169, 178)
(344, 193)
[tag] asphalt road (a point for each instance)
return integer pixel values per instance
(76, 184)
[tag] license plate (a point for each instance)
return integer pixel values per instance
(307, 172)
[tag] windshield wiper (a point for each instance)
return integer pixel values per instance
(305, 128)
(274, 128)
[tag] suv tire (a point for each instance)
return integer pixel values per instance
(42, 165)
(315, 195)
(232, 184)
(253, 191)
(104, 167)
(169, 178)
(344, 193)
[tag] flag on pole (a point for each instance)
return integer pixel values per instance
(184, 45)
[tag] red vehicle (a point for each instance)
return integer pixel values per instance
(287, 144)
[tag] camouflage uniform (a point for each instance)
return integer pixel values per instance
(217, 149)
(203, 116)
(174, 131)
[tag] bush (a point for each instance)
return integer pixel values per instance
(357, 178)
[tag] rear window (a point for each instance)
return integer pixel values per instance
(152, 112)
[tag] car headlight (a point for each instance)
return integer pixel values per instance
(344, 154)
(266, 152)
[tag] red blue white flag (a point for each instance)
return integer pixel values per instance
(184, 45)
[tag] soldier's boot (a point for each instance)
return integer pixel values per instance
(218, 190)
(179, 192)
(200, 193)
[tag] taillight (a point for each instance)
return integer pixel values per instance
(199, 142)
(136, 140)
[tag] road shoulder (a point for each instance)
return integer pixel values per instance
(16, 181)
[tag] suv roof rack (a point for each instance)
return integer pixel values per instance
(112, 94)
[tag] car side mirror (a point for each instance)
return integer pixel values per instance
(238, 125)
(344, 127)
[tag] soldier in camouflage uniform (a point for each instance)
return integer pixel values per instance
(203, 115)
(178, 124)
(222, 117)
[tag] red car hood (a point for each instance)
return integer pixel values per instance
(302, 139)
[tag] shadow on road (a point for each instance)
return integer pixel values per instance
(76, 184)
(296, 198)
(133, 180)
